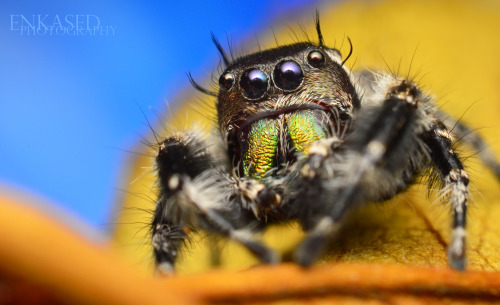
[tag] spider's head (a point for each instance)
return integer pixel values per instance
(273, 104)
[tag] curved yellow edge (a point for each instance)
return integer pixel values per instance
(450, 48)
(42, 252)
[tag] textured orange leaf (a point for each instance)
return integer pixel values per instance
(45, 262)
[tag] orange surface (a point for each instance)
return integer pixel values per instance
(38, 252)
(44, 262)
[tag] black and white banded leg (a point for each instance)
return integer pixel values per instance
(374, 165)
(179, 158)
(466, 135)
(456, 182)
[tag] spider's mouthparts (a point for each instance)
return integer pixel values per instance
(276, 138)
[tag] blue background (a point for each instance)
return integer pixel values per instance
(70, 105)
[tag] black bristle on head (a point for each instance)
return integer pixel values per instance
(350, 51)
(200, 88)
(223, 54)
(318, 29)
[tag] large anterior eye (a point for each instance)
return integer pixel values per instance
(254, 83)
(288, 75)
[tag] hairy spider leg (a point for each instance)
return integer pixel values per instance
(466, 135)
(194, 193)
(385, 145)
(456, 182)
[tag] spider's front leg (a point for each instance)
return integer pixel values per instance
(180, 158)
(196, 193)
(376, 161)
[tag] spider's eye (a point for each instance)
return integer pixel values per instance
(316, 59)
(226, 81)
(254, 83)
(288, 75)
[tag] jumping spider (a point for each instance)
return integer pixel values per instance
(305, 139)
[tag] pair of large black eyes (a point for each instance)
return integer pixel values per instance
(287, 76)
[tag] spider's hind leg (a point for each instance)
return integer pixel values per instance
(470, 137)
(456, 181)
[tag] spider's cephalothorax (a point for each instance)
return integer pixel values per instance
(273, 105)
(304, 139)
